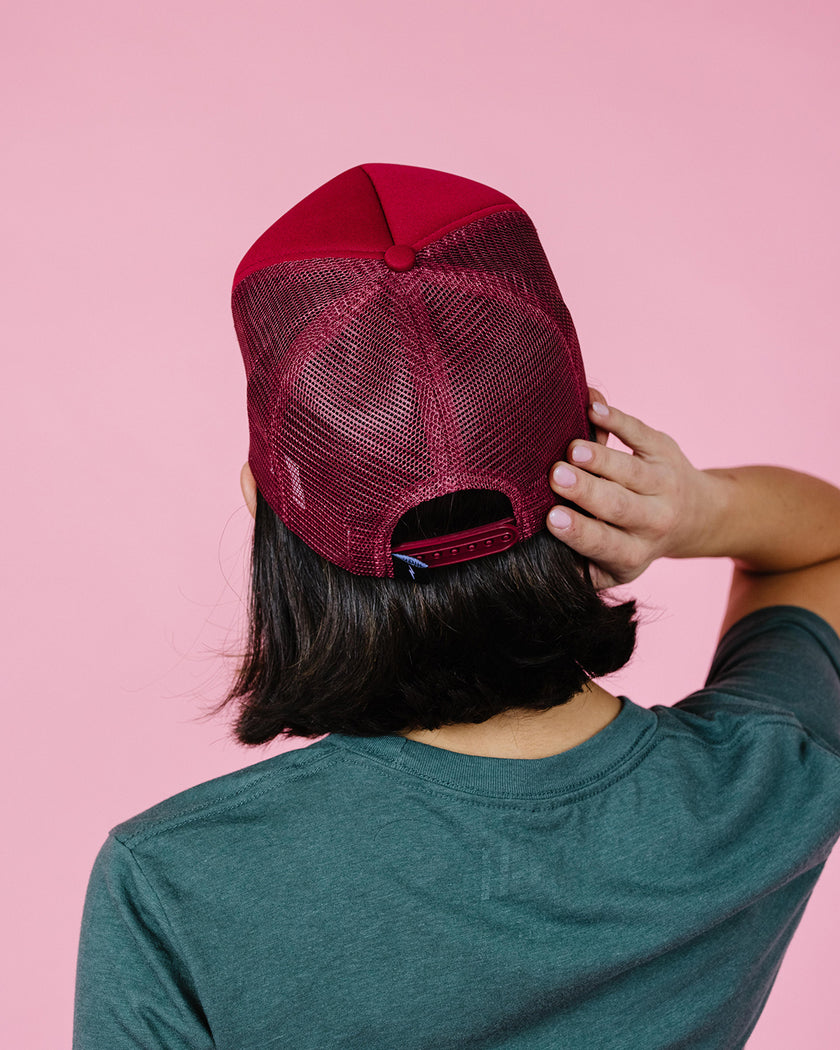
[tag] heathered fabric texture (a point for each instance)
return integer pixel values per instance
(639, 890)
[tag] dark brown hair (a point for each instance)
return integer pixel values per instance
(332, 652)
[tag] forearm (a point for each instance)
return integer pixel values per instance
(769, 519)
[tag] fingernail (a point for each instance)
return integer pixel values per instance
(581, 454)
(563, 476)
(559, 518)
(599, 409)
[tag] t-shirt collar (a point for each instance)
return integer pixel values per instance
(576, 770)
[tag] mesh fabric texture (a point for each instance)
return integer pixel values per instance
(371, 390)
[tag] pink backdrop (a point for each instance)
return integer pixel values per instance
(680, 162)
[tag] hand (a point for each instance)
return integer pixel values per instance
(651, 503)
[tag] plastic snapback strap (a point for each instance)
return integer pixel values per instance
(413, 560)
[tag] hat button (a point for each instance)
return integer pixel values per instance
(400, 256)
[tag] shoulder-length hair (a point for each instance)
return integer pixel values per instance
(329, 651)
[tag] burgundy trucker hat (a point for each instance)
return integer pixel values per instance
(404, 337)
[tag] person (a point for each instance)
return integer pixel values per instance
(480, 846)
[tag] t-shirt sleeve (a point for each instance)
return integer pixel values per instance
(133, 988)
(788, 658)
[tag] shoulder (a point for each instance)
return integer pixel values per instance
(224, 797)
(777, 665)
(798, 626)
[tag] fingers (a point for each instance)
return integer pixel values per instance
(620, 508)
(608, 500)
(607, 482)
(633, 432)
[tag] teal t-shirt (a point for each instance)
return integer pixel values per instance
(637, 891)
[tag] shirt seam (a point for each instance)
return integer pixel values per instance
(172, 934)
(132, 840)
(787, 721)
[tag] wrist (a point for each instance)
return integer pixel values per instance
(708, 510)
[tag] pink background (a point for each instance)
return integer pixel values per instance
(680, 162)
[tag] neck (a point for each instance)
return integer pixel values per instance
(520, 733)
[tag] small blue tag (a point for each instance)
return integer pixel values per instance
(413, 566)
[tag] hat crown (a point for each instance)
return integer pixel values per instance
(365, 210)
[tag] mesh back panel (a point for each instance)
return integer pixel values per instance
(371, 390)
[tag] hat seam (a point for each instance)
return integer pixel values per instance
(379, 202)
(457, 224)
(303, 255)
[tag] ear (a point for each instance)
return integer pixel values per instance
(249, 489)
